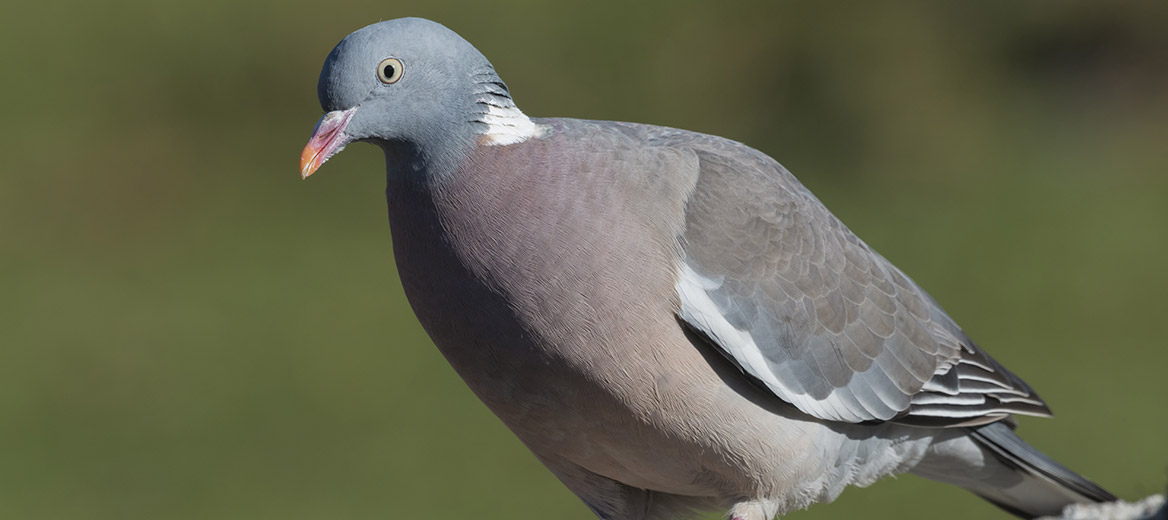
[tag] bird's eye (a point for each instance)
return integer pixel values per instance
(389, 70)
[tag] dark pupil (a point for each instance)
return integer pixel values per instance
(388, 71)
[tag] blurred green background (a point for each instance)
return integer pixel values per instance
(189, 331)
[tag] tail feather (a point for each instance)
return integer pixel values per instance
(1046, 486)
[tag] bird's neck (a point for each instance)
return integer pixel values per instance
(418, 166)
(502, 126)
(496, 118)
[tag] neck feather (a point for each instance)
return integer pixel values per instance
(503, 122)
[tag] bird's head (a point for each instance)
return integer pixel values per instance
(411, 84)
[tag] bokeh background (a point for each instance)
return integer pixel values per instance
(189, 331)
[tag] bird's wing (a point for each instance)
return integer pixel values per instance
(781, 287)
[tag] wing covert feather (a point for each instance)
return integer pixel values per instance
(781, 287)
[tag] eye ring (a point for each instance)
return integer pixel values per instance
(389, 71)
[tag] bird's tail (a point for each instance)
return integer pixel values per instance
(992, 462)
(1046, 486)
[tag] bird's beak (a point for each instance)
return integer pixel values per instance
(327, 139)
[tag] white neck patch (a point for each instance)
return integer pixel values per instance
(507, 125)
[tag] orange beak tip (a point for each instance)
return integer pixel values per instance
(307, 162)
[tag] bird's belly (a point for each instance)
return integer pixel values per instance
(679, 431)
(562, 412)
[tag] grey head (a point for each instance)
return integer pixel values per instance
(418, 90)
